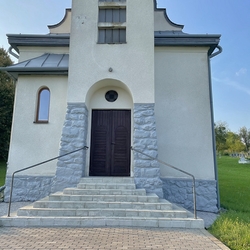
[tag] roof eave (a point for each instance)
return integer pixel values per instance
(14, 73)
(182, 39)
(16, 40)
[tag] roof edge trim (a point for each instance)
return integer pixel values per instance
(164, 10)
(61, 22)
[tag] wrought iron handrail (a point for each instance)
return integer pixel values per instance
(180, 170)
(38, 164)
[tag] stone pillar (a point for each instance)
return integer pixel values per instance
(146, 170)
(71, 168)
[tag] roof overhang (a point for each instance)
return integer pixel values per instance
(50, 40)
(173, 38)
(58, 64)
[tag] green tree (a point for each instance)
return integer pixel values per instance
(7, 91)
(234, 143)
(244, 134)
(221, 130)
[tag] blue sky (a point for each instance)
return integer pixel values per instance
(230, 18)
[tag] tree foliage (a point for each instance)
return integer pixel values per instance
(244, 134)
(233, 143)
(230, 142)
(7, 90)
(221, 130)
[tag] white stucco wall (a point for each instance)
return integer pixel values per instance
(32, 143)
(161, 24)
(132, 63)
(182, 108)
(64, 26)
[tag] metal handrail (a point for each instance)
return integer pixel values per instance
(38, 164)
(180, 170)
(2, 188)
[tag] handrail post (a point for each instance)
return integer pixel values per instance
(38, 164)
(11, 190)
(182, 171)
(194, 198)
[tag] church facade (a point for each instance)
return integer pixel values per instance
(110, 76)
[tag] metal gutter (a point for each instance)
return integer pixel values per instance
(177, 38)
(12, 53)
(217, 52)
(212, 124)
(162, 38)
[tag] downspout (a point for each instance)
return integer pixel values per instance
(212, 123)
(12, 53)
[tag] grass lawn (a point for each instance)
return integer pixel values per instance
(233, 226)
(2, 172)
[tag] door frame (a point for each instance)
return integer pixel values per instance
(87, 163)
(125, 117)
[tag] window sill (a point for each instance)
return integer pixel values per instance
(112, 43)
(41, 122)
(112, 4)
(112, 25)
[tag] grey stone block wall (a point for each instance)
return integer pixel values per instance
(146, 170)
(27, 188)
(71, 168)
(179, 191)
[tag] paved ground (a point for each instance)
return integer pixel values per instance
(106, 238)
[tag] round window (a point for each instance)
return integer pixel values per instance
(111, 96)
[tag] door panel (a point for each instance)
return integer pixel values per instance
(110, 143)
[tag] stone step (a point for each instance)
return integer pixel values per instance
(106, 186)
(128, 180)
(15, 221)
(103, 201)
(59, 196)
(77, 191)
(108, 212)
(162, 205)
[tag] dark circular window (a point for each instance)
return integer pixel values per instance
(111, 96)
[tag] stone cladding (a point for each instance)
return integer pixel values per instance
(71, 168)
(180, 191)
(146, 170)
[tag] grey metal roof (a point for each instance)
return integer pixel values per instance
(179, 38)
(48, 40)
(49, 64)
(162, 38)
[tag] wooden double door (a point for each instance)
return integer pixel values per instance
(110, 143)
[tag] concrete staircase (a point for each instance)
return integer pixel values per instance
(103, 201)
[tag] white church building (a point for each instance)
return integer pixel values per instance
(110, 76)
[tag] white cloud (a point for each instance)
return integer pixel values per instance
(240, 72)
(233, 84)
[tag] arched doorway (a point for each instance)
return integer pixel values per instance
(110, 129)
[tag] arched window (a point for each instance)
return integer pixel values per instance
(43, 102)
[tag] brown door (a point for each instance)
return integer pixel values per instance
(110, 143)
